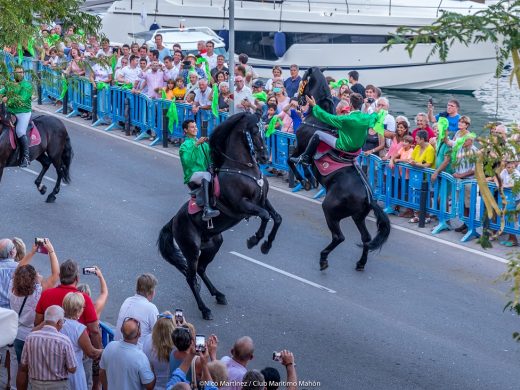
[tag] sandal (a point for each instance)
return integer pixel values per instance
(414, 220)
(509, 244)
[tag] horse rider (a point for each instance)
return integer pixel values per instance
(195, 160)
(18, 99)
(352, 129)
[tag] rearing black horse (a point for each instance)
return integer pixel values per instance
(189, 243)
(348, 194)
(55, 148)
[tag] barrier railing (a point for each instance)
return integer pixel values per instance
(107, 333)
(398, 186)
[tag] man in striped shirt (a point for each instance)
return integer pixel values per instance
(48, 356)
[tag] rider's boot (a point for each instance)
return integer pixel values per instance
(207, 212)
(24, 143)
(306, 157)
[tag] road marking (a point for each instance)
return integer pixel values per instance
(283, 191)
(37, 173)
(280, 271)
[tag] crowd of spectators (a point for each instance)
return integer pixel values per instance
(58, 343)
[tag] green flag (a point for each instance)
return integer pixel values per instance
(442, 126)
(458, 144)
(101, 86)
(64, 87)
(206, 66)
(214, 101)
(20, 54)
(338, 83)
(261, 96)
(30, 46)
(271, 128)
(172, 116)
(379, 126)
(163, 94)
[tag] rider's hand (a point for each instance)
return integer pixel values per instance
(310, 100)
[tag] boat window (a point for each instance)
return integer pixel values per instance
(257, 44)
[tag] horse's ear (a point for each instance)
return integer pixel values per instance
(322, 70)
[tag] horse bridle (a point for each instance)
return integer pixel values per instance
(250, 143)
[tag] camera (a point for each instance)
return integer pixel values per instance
(200, 343)
(277, 356)
(371, 100)
(89, 270)
(39, 242)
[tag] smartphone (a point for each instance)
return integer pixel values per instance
(38, 241)
(89, 270)
(430, 100)
(178, 315)
(277, 356)
(200, 343)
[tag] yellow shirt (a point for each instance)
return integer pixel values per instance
(428, 156)
(179, 93)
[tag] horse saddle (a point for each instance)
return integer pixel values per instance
(328, 160)
(33, 134)
(196, 201)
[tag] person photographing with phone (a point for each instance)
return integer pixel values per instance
(195, 159)
(451, 114)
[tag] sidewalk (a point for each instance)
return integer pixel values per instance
(498, 252)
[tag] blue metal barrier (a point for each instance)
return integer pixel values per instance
(141, 114)
(104, 107)
(117, 100)
(80, 95)
(107, 334)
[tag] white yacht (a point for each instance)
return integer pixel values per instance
(338, 35)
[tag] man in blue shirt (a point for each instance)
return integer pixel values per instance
(292, 83)
(451, 114)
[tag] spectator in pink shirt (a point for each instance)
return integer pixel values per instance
(153, 79)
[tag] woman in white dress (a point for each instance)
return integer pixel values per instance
(73, 305)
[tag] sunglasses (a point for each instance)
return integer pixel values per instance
(168, 316)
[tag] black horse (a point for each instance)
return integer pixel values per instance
(55, 148)
(348, 194)
(188, 242)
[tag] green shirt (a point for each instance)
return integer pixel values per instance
(352, 128)
(442, 151)
(23, 101)
(194, 158)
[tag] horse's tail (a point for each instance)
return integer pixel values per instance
(66, 159)
(383, 227)
(169, 250)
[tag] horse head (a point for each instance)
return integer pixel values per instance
(314, 84)
(238, 139)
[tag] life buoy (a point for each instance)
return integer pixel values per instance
(154, 26)
(280, 44)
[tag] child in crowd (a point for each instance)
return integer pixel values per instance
(190, 97)
(271, 111)
(168, 89)
(180, 90)
(404, 154)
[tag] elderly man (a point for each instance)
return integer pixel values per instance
(244, 99)
(202, 97)
(292, 83)
(140, 307)
(123, 364)
(241, 355)
(48, 356)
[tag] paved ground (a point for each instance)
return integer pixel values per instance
(424, 315)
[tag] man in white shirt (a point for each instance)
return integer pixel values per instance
(130, 74)
(202, 97)
(140, 307)
(210, 54)
(171, 72)
(243, 96)
(389, 123)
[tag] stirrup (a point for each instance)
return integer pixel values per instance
(208, 214)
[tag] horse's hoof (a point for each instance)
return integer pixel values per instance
(324, 264)
(265, 248)
(43, 189)
(307, 185)
(50, 199)
(207, 315)
(360, 267)
(251, 242)
(221, 299)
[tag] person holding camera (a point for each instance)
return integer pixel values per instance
(271, 375)
(451, 114)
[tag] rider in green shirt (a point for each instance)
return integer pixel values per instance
(18, 98)
(195, 160)
(352, 129)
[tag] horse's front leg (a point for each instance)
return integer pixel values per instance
(246, 206)
(1, 171)
(277, 221)
(207, 253)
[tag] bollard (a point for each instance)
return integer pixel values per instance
(94, 105)
(127, 116)
(65, 104)
(292, 182)
(39, 89)
(422, 203)
(165, 132)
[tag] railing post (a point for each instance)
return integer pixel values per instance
(422, 203)
(292, 182)
(94, 104)
(127, 115)
(164, 126)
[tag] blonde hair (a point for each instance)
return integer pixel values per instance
(218, 371)
(162, 337)
(466, 119)
(84, 288)
(20, 248)
(73, 304)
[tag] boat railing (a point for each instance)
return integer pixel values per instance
(353, 6)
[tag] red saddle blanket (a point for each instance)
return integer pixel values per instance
(33, 135)
(326, 164)
(193, 208)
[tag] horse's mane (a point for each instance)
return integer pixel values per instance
(320, 89)
(220, 134)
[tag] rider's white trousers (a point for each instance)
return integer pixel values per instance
(197, 177)
(22, 121)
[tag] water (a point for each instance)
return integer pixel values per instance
(480, 106)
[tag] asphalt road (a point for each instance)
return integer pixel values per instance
(422, 316)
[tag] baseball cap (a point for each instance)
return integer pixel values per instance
(258, 84)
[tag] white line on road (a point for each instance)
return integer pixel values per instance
(283, 191)
(37, 173)
(280, 271)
